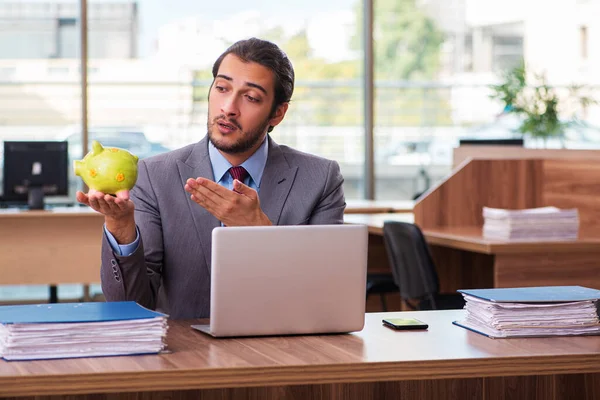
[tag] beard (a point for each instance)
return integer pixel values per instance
(248, 140)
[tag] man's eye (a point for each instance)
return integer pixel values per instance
(252, 99)
(220, 88)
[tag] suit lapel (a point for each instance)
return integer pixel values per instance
(276, 182)
(198, 165)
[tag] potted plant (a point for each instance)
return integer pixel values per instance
(544, 112)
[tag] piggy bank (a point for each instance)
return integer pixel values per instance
(108, 170)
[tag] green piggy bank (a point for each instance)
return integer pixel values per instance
(108, 170)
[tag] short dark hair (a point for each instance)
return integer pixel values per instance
(268, 55)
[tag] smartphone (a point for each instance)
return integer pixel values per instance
(405, 323)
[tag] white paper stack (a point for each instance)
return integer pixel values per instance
(532, 316)
(66, 330)
(549, 223)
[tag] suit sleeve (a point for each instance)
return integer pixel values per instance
(136, 277)
(330, 208)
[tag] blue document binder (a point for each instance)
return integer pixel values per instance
(538, 294)
(531, 311)
(75, 312)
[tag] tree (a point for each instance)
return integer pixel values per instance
(407, 46)
(297, 46)
(406, 41)
(322, 102)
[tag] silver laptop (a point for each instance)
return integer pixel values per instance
(282, 280)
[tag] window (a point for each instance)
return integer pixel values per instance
(583, 39)
(435, 62)
(67, 38)
(159, 73)
(40, 99)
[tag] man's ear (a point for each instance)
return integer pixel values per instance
(279, 114)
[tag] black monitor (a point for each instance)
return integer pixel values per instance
(492, 142)
(33, 170)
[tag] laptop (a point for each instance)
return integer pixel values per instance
(287, 280)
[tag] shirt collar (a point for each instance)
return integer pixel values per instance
(255, 164)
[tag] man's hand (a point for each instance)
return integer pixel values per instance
(240, 207)
(118, 212)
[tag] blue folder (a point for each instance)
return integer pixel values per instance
(538, 294)
(75, 312)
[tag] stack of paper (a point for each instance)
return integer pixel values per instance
(43, 331)
(530, 224)
(532, 311)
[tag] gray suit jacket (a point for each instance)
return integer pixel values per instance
(170, 270)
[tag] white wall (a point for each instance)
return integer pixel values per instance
(553, 43)
(493, 12)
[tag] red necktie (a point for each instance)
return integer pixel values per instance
(238, 173)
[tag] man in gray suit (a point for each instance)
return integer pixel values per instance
(156, 249)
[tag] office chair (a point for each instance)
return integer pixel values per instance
(413, 268)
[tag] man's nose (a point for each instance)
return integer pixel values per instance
(230, 107)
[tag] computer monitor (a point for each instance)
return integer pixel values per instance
(492, 142)
(33, 170)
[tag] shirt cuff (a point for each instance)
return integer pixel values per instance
(123, 249)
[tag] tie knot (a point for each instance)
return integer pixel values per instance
(238, 173)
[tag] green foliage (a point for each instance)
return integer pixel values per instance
(297, 46)
(407, 42)
(544, 112)
(514, 82)
(407, 46)
(541, 113)
(413, 106)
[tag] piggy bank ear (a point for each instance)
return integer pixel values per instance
(96, 148)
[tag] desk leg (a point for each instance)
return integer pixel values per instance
(86, 293)
(53, 294)
(547, 269)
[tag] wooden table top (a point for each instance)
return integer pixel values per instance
(378, 206)
(470, 238)
(377, 353)
(50, 213)
(375, 222)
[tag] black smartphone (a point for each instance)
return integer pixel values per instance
(404, 323)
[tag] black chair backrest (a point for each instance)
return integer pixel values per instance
(411, 262)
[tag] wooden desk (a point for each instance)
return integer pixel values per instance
(378, 206)
(462, 153)
(57, 246)
(471, 238)
(50, 247)
(375, 222)
(445, 362)
(464, 259)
